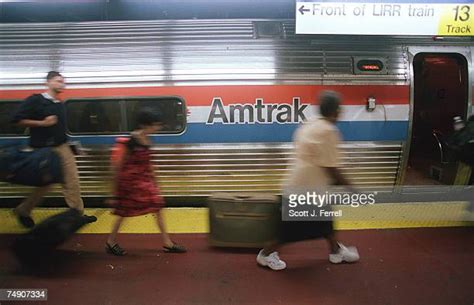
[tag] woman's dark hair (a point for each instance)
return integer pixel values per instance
(329, 102)
(147, 117)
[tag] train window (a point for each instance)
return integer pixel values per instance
(94, 116)
(117, 115)
(7, 109)
(171, 109)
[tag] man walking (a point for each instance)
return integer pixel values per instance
(45, 115)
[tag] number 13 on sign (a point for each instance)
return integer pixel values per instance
(457, 20)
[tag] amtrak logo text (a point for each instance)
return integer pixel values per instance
(257, 112)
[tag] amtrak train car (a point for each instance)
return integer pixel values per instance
(233, 92)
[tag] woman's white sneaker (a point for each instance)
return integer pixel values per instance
(271, 261)
(344, 254)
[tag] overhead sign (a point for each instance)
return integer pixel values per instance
(360, 18)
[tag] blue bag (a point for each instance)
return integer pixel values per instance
(32, 167)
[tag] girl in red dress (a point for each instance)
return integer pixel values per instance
(136, 190)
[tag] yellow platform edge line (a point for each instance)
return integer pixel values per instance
(195, 220)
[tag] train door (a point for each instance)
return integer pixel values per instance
(441, 92)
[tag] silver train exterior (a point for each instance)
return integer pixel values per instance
(217, 66)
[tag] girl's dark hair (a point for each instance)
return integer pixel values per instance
(147, 117)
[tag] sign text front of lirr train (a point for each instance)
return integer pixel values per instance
(391, 17)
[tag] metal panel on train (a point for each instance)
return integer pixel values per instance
(246, 84)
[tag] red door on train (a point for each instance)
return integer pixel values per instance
(441, 91)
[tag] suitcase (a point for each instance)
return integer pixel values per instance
(46, 236)
(32, 167)
(246, 220)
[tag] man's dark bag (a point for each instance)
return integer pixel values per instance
(32, 167)
(49, 234)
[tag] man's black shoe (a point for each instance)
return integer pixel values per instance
(26, 221)
(90, 219)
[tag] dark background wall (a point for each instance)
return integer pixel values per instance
(103, 10)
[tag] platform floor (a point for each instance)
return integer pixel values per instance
(432, 266)
(196, 220)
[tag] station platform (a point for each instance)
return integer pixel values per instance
(400, 264)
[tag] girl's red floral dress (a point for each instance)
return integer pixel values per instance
(137, 191)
